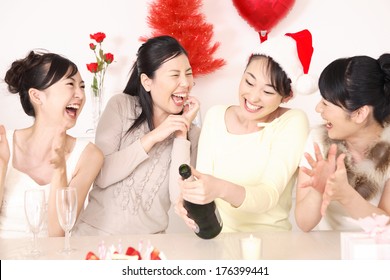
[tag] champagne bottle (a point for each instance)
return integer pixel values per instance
(206, 216)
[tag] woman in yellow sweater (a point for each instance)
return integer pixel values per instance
(248, 154)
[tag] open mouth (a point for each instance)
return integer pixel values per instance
(251, 107)
(328, 125)
(179, 98)
(72, 109)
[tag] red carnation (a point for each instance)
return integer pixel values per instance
(98, 37)
(93, 67)
(108, 57)
(92, 46)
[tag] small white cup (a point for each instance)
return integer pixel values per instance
(250, 248)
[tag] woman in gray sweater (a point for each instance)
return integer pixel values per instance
(145, 134)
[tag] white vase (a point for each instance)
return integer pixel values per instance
(97, 99)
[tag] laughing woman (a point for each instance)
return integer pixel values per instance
(44, 156)
(145, 134)
(347, 173)
(249, 153)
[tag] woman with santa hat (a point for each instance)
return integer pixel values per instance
(248, 154)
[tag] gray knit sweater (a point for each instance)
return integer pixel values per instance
(134, 189)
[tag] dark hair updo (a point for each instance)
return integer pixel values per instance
(38, 70)
(358, 81)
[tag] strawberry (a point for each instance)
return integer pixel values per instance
(91, 256)
(155, 255)
(133, 252)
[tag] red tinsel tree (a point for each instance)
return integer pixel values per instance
(182, 20)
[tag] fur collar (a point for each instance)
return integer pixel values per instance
(369, 176)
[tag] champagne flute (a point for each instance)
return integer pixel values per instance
(66, 202)
(34, 208)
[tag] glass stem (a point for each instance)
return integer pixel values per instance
(67, 241)
(35, 242)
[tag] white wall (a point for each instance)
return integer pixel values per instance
(339, 28)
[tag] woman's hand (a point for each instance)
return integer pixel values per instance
(322, 168)
(182, 212)
(191, 109)
(58, 159)
(337, 186)
(204, 189)
(178, 124)
(4, 148)
(172, 124)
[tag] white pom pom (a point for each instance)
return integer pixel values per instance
(306, 85)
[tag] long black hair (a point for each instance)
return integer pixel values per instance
(150, 56)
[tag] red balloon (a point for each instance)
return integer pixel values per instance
(263, 15)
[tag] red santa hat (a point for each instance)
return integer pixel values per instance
(293, 53)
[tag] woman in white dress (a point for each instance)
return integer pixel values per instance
(43, 155)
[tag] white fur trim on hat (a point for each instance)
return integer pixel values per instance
(293, 54)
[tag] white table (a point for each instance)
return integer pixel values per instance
(187, 246)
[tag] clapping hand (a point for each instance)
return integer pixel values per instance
(58, 159)
(337, 186)
(321, 168)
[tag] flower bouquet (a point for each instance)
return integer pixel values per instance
(98, 68)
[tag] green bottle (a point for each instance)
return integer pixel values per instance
(206, 216)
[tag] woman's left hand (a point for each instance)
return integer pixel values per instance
(182, 212)
(321, 170)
